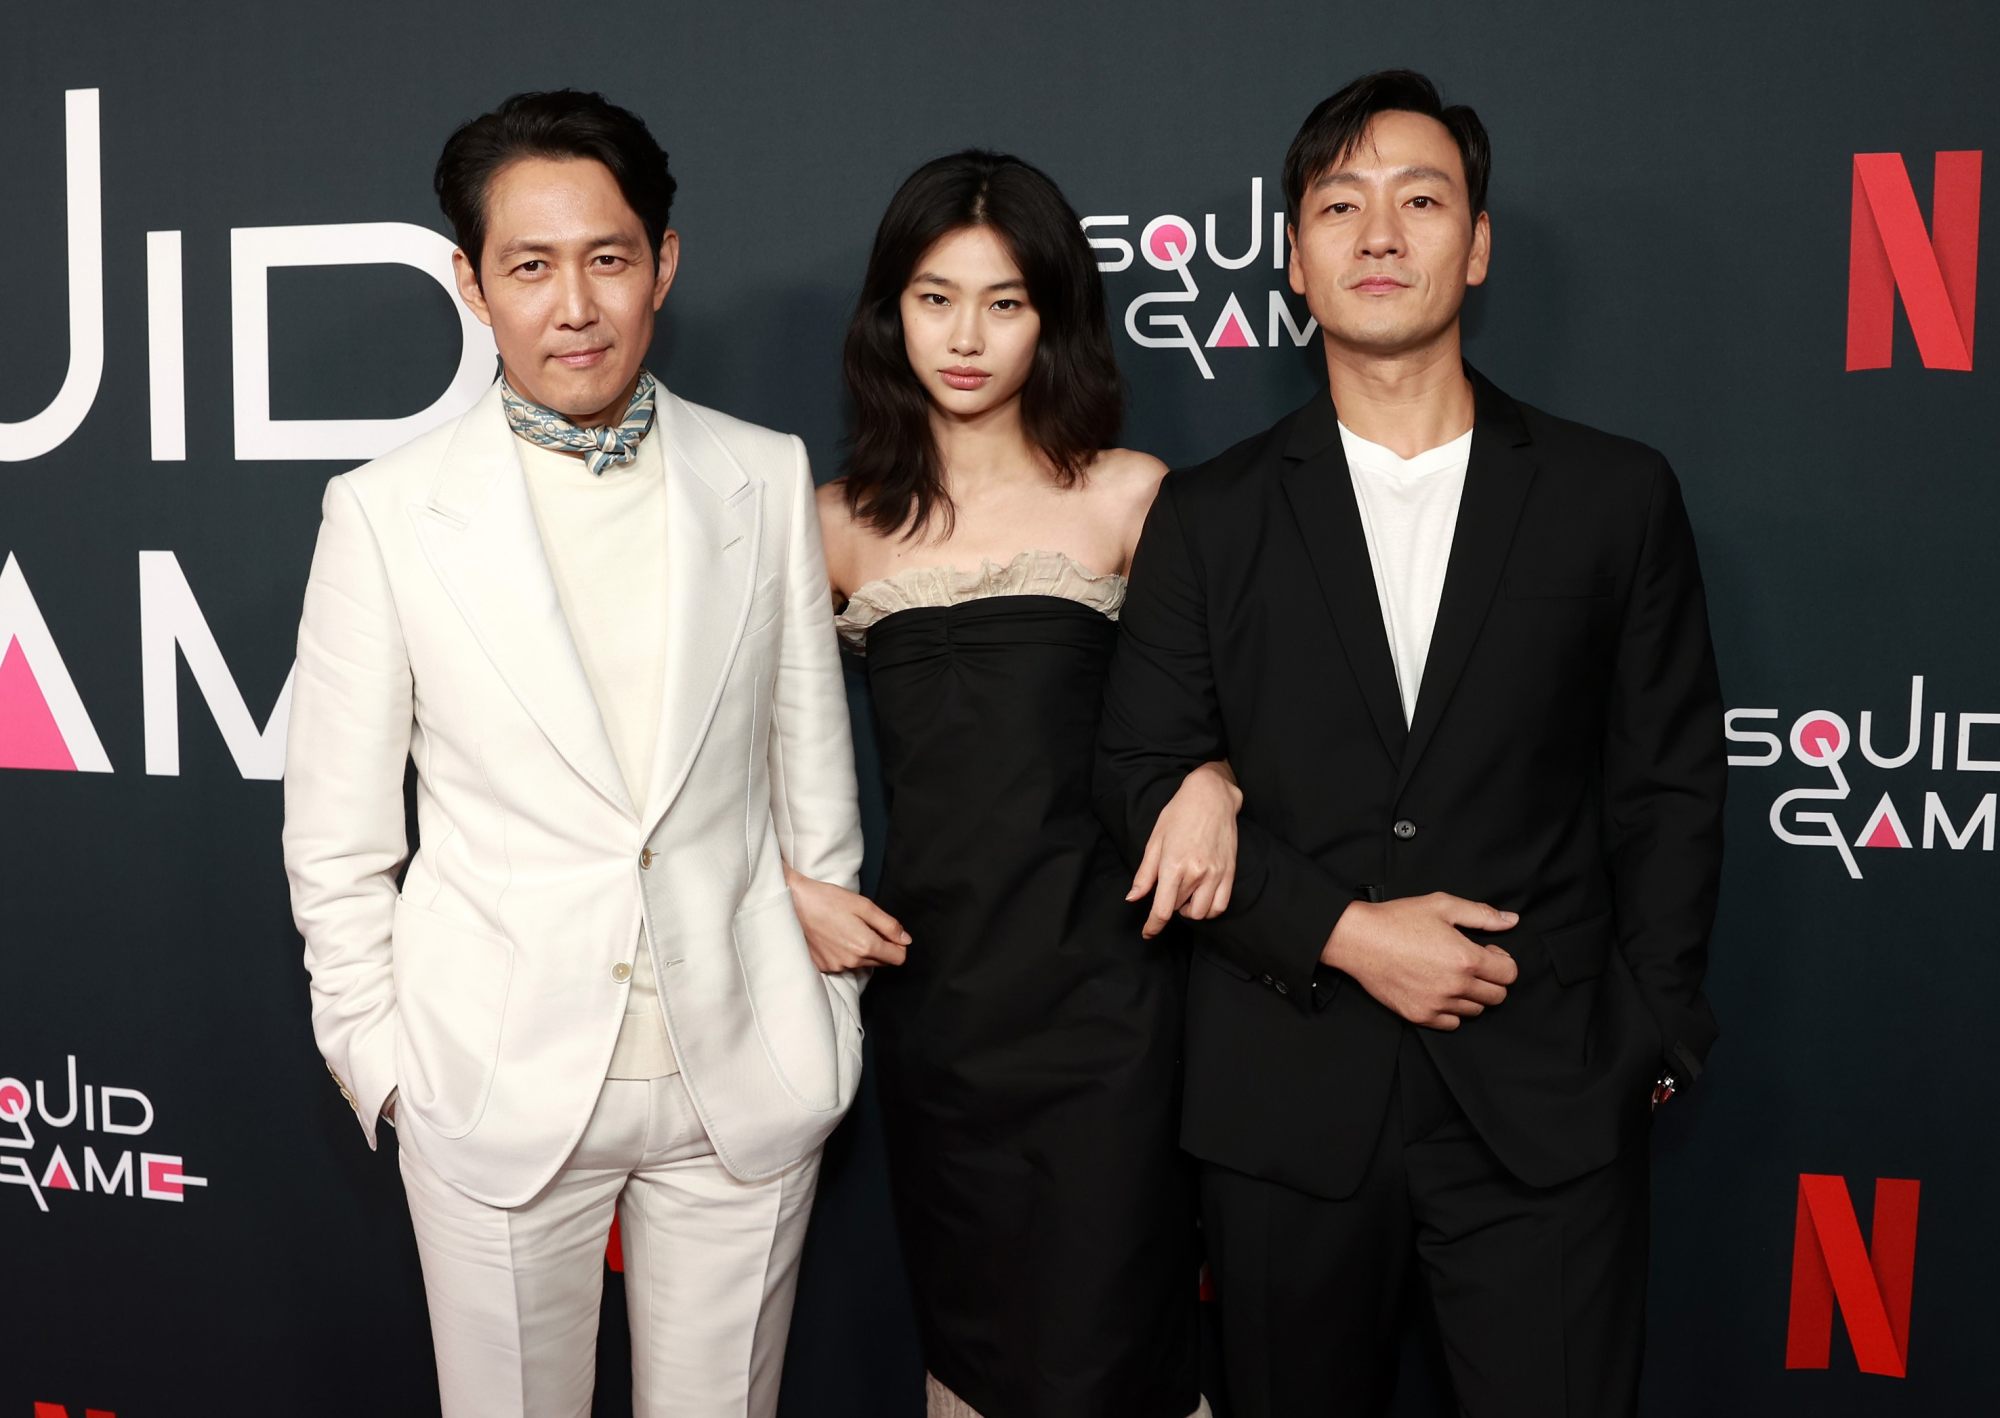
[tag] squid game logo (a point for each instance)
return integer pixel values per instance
(1220, 283)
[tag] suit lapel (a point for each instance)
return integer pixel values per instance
(479, 532)
(1497, 479)
(1321, 492)
(715, 522)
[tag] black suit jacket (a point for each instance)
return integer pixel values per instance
(1565, 761)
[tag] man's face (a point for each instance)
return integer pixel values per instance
(568, 285)
(1386, 240)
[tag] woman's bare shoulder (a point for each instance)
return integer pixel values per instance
(836, 530)
(1128, 468)
(1128, 479)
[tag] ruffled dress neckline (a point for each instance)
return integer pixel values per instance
(1031, 573)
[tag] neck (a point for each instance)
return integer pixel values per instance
(613, 412)
(984, 450)
(1407, 402)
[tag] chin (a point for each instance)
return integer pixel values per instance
(1383, 339)
(966, 403)
(581, 397)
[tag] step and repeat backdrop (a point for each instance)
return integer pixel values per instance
(1749, 236)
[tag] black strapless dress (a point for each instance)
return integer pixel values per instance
(1027, 1054)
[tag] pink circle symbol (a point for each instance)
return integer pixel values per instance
(13, 1102)
(1822, 738)
(1168, 241)
(1172, 242)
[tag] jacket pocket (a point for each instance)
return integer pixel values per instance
(452, 982)
(1533, 586)
(793, 1010)
(1222, 962)
(1578, 951)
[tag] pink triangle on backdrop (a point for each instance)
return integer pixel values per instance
(58, 1177)
(1234, 336)
(1884, 835)
(29, 737)
(1885, 829)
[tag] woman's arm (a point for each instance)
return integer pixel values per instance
(1190, 859)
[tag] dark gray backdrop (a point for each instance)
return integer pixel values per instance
(1671, 206)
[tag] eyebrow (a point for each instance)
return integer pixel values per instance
(1417, 173)
(933, 279)
(521, 246)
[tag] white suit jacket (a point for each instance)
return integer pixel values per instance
(491, 986)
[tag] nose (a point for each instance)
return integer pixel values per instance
(968, 332)
(1382, 235)
(575, 308)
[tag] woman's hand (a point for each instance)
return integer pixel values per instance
(844, 929)
(1190, 860)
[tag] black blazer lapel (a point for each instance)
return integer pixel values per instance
(1497, 479)
(1321, 492)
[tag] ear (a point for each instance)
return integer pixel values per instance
(1481, 254)
(1293, 275)
(467, 276)
(665, 265)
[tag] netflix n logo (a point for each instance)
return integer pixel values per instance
(1934, 271)
(1869, 1282)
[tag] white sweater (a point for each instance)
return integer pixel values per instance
(605, 538)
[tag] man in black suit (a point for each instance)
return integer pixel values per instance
(1457, 651)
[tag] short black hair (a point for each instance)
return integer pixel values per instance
(561, 124)
(1073, 401)
(1333, 128)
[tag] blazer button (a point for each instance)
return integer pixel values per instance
(1404, 828)
(645, 858)
(621, 972)
(1269, 981)
(1281, 987)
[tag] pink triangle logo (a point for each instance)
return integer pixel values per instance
(1233, 336)
(29, 737)
(1232, 331)
(59, 1177)
(1884, 828)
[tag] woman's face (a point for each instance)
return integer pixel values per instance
(968, 327)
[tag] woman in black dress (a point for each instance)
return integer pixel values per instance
(1027, 1029)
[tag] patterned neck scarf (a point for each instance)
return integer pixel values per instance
(601, 447)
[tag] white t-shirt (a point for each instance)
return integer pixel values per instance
(605, 536)
(1409, 512)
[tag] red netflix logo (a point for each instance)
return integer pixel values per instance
(57, 1410)
(1936, 271)
(1869, 1281)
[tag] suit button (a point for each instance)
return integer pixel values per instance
(1269, 981)
(1282, 988)
(621, 972)
(645, 858)
(1404, 828)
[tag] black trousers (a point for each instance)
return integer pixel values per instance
(1540, 1294)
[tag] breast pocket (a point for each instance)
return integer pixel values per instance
(1555, 630)
(1533, 586)
(767, 604)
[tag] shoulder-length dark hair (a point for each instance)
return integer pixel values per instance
(1073, 402)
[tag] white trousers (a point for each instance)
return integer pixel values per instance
(711, 1269)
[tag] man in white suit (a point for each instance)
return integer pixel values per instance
(595, 616)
